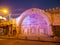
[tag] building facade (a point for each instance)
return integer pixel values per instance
(34, 23)
(55, 17)
(37, 22)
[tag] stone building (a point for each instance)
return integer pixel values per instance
(37, 22)
(55, 17)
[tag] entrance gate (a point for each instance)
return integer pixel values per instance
(35, 22)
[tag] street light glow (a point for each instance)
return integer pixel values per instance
(5, 11)
(4, 18)
(0, 17)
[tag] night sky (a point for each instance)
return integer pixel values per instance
(26, 4)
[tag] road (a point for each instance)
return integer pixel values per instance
(24, 42)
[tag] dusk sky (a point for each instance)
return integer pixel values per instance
(27, 4)
(44, 4)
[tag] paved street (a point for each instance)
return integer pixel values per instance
(25, 42)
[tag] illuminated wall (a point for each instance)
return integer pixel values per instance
(34, 22)
(55, 15)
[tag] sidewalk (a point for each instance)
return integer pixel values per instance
(7, 36)
(47, 39)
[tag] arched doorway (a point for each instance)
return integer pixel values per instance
(35, 22)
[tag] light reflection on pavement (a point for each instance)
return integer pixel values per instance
(24, 42)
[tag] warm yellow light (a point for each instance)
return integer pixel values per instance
(4, 18)
(5, 11)
(0, 17)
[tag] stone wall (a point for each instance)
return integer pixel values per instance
(55, 17)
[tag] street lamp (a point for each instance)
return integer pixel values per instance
(5, 11)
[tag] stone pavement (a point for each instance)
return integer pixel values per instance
(33, 38)
(26, 42)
